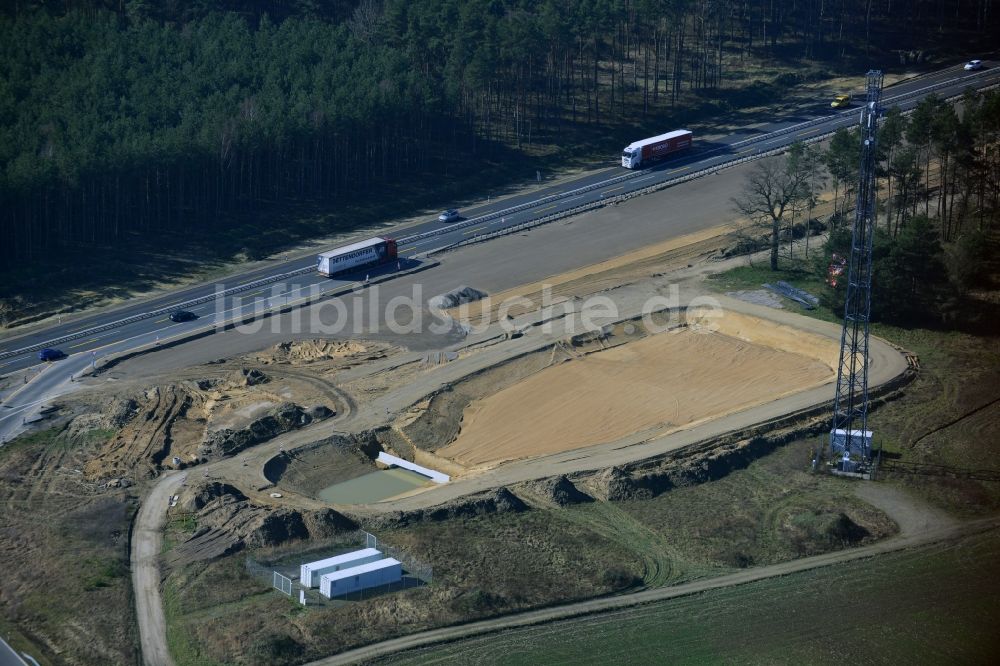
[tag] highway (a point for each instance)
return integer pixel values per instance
(8, 657)
(416, 242)
(50, 380)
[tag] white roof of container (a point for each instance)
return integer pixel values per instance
(360, 245)
(360, 569)
(657, 139)
(341, 559)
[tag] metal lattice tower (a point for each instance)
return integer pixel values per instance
(849, 437)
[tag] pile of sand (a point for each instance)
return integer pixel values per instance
(659, 383)
(313, 350)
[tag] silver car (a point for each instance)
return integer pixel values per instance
(973, 64)
(449, 215)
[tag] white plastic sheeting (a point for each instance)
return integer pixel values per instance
(436, 477)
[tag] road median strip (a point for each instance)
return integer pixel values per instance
(246, 318)
(519, 208)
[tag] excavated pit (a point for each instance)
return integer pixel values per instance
(341, 470)
(631, 380)
(625, 382)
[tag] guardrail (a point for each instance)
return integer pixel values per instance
(849, 112)
(241, 316)
(504, 212)
(518, 208)
(593, 205)
(634, 174)
(69, 337)
(530, 224)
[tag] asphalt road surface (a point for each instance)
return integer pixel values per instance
(86, 349)
(415, 241)
(8, 657)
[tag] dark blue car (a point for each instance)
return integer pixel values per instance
(48, 354)
(182, 315)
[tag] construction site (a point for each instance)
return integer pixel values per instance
(622, 423)
(554, 442)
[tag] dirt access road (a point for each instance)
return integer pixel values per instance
(147, 540)
(919, 524)
(887, 363)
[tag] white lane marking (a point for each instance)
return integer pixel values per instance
(15, 360)
(20, 408)
(243, 307)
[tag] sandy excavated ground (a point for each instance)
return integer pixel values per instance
(640, 264)
(182, 417)
(656, 384)
(303, 352)
(770, 334)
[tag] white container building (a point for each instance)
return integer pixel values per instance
(838, 439)
(360, 577)
(309, 574)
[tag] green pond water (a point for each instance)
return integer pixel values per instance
(373, 487)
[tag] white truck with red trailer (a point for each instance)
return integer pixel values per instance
(642, 153)
(376, 250)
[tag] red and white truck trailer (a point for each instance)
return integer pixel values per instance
(641, 153)
(376, 250)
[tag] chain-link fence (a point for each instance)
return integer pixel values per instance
(282, 583)
(280, 568)
(257, 570)
(411, 566)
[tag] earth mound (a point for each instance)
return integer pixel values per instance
(281, 419)
(185, 423)
(558, 490)
(228, 522)
(492, 502)
(307, 351)
(456, 297)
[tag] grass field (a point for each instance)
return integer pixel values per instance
(950, 412)
(935, 604)
(773, 511)
(216, 613)
(65, 595)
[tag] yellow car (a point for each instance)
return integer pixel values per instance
(840, 101)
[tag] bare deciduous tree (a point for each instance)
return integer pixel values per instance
(768, 193)
(364, 23)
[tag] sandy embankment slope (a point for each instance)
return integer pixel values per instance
(656, 385)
